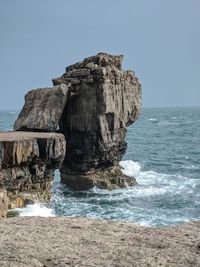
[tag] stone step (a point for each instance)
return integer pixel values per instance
(20, 147)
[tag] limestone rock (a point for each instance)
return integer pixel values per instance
(109, 178)
(103, 102)
(28, 162)
(42, 109)
(3, 203)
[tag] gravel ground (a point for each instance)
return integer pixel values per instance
(64, 242)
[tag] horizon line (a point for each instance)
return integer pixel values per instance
(145, 107)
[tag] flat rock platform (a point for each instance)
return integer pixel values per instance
(64, 242)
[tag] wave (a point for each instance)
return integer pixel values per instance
(36, 210)
(130, 167)
(152, 119)
(153, 178)
(159, 199)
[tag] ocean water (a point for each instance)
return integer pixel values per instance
(163, 155)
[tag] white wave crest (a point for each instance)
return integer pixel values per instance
(130, 167)
(152, 119)
(36, 210)
(155, 183)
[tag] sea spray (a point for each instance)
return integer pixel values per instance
(36, 210)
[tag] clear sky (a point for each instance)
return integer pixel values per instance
(160, 40)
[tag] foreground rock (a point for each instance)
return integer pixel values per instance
(63, 242)
(27, 164)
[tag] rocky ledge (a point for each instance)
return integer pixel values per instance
(56, 242)
(27, 164)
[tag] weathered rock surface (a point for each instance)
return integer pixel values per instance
(27, 164)
(42, 109)
(3, 203)
(109, 178)
(104, 99)
(63, 242)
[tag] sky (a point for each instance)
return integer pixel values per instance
(160, 41)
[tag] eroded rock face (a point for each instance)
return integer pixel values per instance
(104, 99)
(27, 164)
(42, 109)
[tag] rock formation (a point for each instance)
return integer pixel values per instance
(27, 164)
(88, 108)
(92, 103)
(104, 100)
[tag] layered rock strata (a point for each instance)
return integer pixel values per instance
(27, 164)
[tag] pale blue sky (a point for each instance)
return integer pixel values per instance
(160, 40)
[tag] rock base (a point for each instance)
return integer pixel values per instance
(110, 178)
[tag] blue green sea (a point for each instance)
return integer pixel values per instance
(163, 155)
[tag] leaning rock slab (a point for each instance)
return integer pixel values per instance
(43, 109)
(28, 162)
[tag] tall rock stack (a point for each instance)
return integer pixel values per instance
(104, 100)
(92, 103)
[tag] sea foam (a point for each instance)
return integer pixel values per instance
(36, 210)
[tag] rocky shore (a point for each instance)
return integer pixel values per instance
(63, 242)
(79, 127)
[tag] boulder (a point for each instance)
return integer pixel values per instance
(42, 109)
(28, 162)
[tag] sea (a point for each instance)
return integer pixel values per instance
(163, 155)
